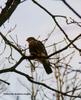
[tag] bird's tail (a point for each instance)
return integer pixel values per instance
(47, 67)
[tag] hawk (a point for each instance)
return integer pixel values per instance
(37, 49)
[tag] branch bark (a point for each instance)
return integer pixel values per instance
(10, 7)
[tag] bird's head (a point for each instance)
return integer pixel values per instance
(30, 39)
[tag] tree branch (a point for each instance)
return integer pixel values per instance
(42, 84)
(10, 7)
(4, 82)
(64, 1)
(54, 18)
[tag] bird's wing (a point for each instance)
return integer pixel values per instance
(37, 47)
(32, 48)
(41, 48)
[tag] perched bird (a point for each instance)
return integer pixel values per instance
(37, 49)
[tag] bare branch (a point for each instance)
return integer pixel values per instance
(4, 82)
(10, 7)
(64, 1)
(42, 84)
